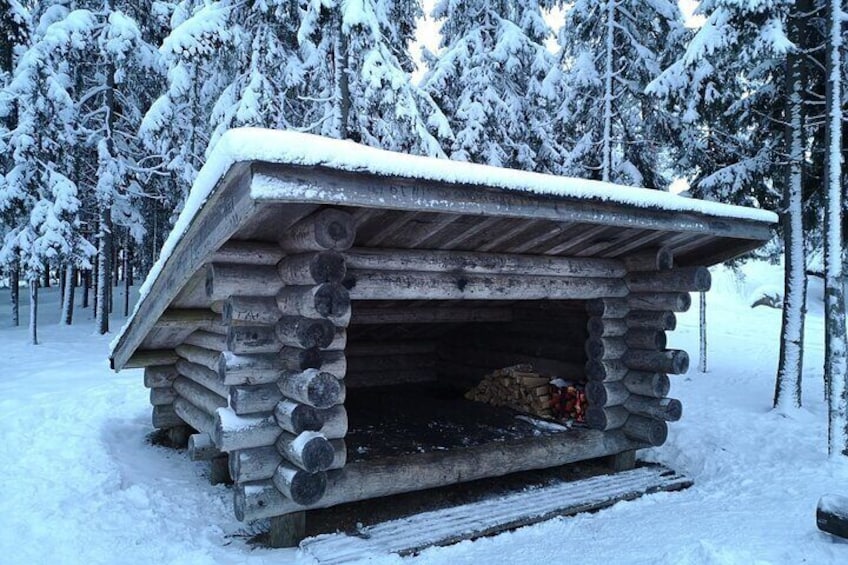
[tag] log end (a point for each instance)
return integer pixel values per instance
(332, 300)
(334, 229)
(647, 430)
(329, 266)
(317, 454)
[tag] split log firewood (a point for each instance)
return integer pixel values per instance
(312, 268)
(300, 486)
(310, 451)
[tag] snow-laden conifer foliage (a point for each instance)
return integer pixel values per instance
(358, 82)
(610, 51)
(491, 79)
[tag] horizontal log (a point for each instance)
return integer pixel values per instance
(606, 369)
(647, 320)
(299, 486)
(673, 361)
(147, 357)
(302, 332)
(603, 348)
(390, 363)
(663, 301)
(392, 285)
(204, 377)
(246, 399)
(601, 394)
(369, 378)
(312, 387)
(200, 396)
(187, 318)
(644, 383)
(606, 327)
(202, 448)
(200, 356)
(165, 417)
(334, 422)
(159, 376)
(367, 259)
(654, 259)
(606, 418)
(380, 348)
(194, 416)
(688, 279)
(668, 409)
(160, 396)
(243, 340)
(383, 477)
(364, 315)
(254, 464)
(832, 515)
(639, 338)
(312, 268)
(647, 430)
(253, 369)
(224, 280)
(207, 340)
(251, 310)
(326, 229)
(326, 300)
(339, 454)
(248, 253)
(234, 432)
(608, 307)
(310, 451)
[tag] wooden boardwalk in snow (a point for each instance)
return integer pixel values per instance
(468, 521)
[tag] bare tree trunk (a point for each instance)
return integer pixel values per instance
(33, 311)
(127, 281)
(342, 83)
(46, 276)
(104, 261)
(61, 273)
(787, 387)
(95, 281)
(702, 360)
(68, 299)
(606, 152)
(86, 285)
(835, 363)
(15, 292)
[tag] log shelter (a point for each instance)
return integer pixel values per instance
(321, 307)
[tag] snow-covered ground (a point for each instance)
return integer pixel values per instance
(81, 483)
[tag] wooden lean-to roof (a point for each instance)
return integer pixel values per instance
(257, 183)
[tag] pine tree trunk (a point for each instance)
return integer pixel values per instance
(15, 293)
(86, 286)
(702, 360)
(46, 283)
(104, 261)
(95, 281)
(61, 272)
(835, 363)
(787, 388)
(127, 280)
(606, 155)
(68, 301)
(33, 311)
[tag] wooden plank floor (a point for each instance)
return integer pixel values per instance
(468, 521)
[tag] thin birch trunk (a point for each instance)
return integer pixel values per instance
(127, 281)
(787, 388)
(68, 301)
(15, 293)
(33, 311)
(606, 156)
(104, 260)
(835, 365)
(702, 359)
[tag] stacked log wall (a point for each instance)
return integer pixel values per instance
(628, 359)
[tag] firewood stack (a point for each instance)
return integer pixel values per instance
(518, 387)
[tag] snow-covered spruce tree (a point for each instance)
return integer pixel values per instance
(15, 25)
(836, 357)
(356, 81)
(611, 50)
(176, 128)
(739, 90)
(264, 70)
(490, 78)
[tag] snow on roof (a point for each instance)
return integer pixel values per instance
(294, 148)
